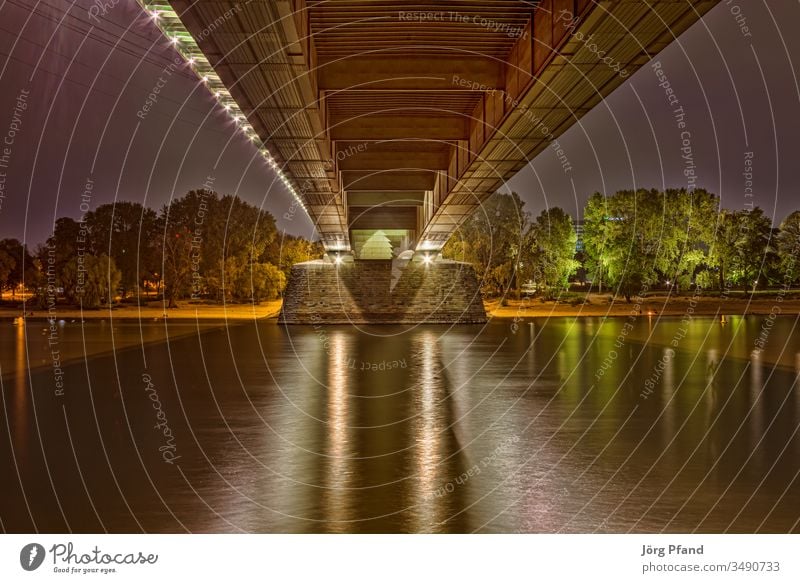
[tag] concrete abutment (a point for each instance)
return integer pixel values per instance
(382, 292)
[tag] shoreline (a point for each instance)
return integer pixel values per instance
(181, 322)
(194, 312)
(201, 318)
(596, 305)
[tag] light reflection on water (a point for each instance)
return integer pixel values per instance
(430, 429)
(338, 470)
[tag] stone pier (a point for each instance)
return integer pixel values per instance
(382, 292)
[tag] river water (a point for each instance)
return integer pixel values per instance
(552, 425)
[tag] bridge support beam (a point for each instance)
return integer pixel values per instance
(382, 292)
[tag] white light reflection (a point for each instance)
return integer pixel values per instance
(756, 403)
(668, 392)
(712, 363)
(338, 470)
(429, 388)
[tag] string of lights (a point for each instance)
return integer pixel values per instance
(167, 20)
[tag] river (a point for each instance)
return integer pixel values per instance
(551, 425)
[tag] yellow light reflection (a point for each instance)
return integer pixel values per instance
(797, 371)
(20, 406)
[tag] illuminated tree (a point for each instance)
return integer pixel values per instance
(552, 241)
(7, 265)
(788, 246)
(491, 240)
(91, 280)
(742, 247)
(23, 269)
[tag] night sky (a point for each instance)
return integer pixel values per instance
(83, 80)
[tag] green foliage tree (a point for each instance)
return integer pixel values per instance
(551, 248)
(788, 247)
(62, 246)
(491, 240)
(7, 265)
(754, 250)
(623, 239)
(221, 246)
(635, 239)
(189, 246)
(91, 280)
(258, 282)
(23, 264)
(125, 231)
(742, 247)
(723, 254)
(595, 234)
(287, 250)
(689, 221)
(175, 250)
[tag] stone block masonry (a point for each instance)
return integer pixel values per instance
(365, 292)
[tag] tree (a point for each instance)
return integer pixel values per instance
(249, 231)
(7, 265)
(754, 249)
(189, 246)
(220, 237)
(125, 231)
(723, 254)
(594, 239)
(689, 221)
(622, 235)
(552, 240)
(175, 250)
(788, 247)
(91, 280)
(742, 247)
(23, 262)
(201, 242)
(260, 281)
(288, 250)
(491, 240)
(62, 246)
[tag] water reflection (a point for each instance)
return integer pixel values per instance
(338, 457)
(433, 429)
(430, 395)
(21, 398)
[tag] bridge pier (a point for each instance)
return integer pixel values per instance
(382, 292)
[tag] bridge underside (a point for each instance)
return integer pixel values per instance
(392, 122)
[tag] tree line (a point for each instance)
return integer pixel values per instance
(632, 241)
(201, 246)
(204, 246)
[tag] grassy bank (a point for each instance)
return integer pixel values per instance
(655, 305)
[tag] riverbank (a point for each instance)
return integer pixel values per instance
(656, 305)
(589, 305)
(156, 311)
(35, 343)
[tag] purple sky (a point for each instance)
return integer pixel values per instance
(86, 80)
